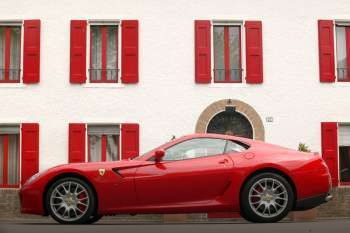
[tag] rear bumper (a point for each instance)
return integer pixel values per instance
(311, 202)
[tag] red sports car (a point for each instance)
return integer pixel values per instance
(199, 173)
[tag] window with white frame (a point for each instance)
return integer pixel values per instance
(227, 52)
(104, 52)
(103, 143)
(9, 156)
(343, 48)
(10, 53)
(344, 153)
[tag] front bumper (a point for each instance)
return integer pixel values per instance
(311, 202)
(31, 201)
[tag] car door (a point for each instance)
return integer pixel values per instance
(191, 171)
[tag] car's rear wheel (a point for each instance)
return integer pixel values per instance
(71, 201)
(266, 197)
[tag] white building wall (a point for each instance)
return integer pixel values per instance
(167, 101)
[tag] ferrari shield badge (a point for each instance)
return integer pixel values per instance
(101, 171)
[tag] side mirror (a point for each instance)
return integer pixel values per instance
(158, 155)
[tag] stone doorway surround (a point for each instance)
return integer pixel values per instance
(241, 107)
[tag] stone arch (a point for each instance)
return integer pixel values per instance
(239, 106)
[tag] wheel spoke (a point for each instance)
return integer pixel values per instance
(64, 187)
(76, 189)
(81, 203)
(83, 198)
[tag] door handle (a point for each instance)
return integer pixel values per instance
(224, 161)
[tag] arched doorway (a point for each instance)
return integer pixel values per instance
(229, 116)
(232, 123)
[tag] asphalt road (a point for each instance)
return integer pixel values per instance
(327, 226)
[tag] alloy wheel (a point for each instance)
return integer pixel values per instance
(268, 197)
(69, 201)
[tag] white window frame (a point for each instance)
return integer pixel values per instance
(103, 22)
(19, 23)
(223, 22)
(102, 124)
(340, 124)
(19, 125)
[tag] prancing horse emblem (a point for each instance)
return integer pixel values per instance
(101, 171)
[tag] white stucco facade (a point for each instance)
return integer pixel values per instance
(167, 101)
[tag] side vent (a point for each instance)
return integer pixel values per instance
(116, 171)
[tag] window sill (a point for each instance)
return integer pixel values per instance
(103, 85)
(12, 85)
(227, 85)
(341, 84)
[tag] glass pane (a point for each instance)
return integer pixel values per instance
(233, 147)
(112, 148)
(234, 35)
(195, 148)
(2, 53)
(1, 159)
(341, 53)
(344, 163)
(219, 63)
(15, 53)
(95, 148)
(96, 53)
(13, 160)
(112, 59)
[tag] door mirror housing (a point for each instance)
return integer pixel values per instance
(158, 155)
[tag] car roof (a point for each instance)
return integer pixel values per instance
(220, 136)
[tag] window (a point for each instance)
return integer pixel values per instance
(195, 148)
(103, 53)
(344, 153)
(103, 143)
(227, 53)
(232, 147)
(344, 164)
(9, 156)
(343, 46)
(10, 53)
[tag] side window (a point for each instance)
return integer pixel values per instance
(195, 148)
(233, 147)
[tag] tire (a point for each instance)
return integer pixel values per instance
(266, 198)
(71, 200)
(94, 219)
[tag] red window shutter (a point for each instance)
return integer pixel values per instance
(30, 150)
(130, 140)
(330, 149)
(202, 29)
(31, 51)
(254, 52)
(130, 51)
(76, 145)
(78, 51)
(326, 50)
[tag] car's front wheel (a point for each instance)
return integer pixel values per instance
(70, 201)
(266, 197)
